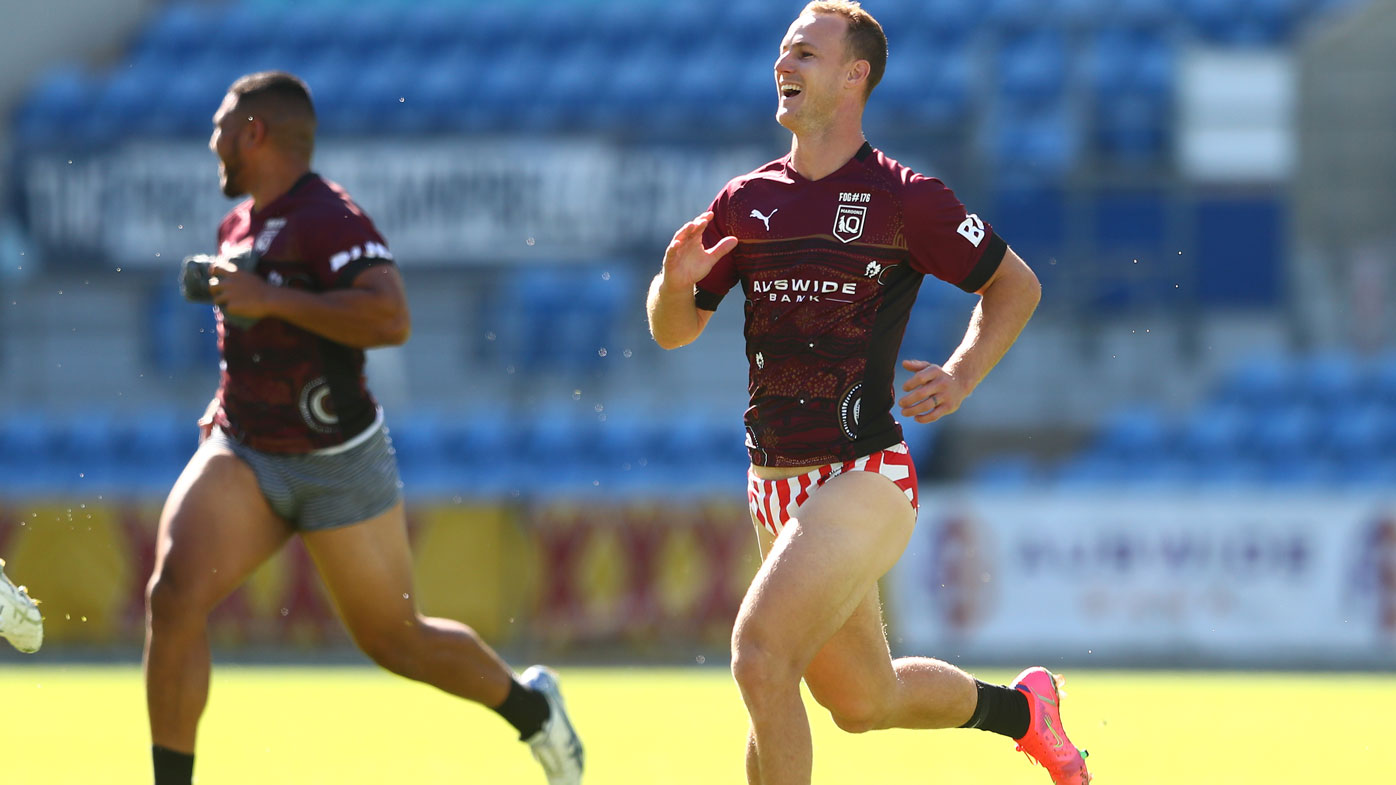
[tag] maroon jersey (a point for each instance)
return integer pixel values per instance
(283, 389)
(830, 269)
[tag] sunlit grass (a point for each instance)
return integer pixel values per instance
(86, 725)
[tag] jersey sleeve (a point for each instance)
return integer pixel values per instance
(947, 241)
(723, 276)
(338, 245)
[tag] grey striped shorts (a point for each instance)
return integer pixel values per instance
(322, 491)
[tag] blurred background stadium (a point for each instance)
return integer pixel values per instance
(1193, 445)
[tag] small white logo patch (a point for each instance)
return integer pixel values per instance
(370, 250)
(873, 269)
(973, 230)
(268, 234)
(765, 219)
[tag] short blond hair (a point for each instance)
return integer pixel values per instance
(864, 39)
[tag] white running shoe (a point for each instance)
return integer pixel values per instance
(20, 621)
(556, 745)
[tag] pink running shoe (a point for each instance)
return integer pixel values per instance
(1046, 741)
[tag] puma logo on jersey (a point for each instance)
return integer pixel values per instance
(765, 219)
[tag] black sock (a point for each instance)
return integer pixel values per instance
(525, 709)
(1001, 710)
(172, 768)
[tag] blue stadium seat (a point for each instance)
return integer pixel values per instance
(1253, 22)
(370, 28)
(1358, 434)
(440, 99)
(637, 84)
(1016, 14)
(330, 75)
(1131, 220)
(1032, 67)
(1133, 434)
(241, 28)
(1090, 471)
(1034, 221)
(1377, 474)
(512, 84)
(558, 445)
(385, 98)
(559, 317)
(1133, 130)
(1036, 142)
(1131, 73)
(181, 30)
(1144, 13)
(420, 455)
(25, 449)
(1006, 472)
(1381, 381)
(306, 28)
(126, 104)
(1330, 379)
(431, 27)
(151, 448)
(1284, 430)
(1260, 381)
(56, 109)
(193, 96)
(482, 453)
(924, 86)
(700, 85)
(1076, 14)
(955, 17)
(1214, 434)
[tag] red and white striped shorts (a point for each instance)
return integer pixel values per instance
(774, 502)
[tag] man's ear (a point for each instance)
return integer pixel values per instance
(858, 72)
(255, 132)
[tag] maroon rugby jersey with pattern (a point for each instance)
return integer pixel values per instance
(283, 389)
(830, 269)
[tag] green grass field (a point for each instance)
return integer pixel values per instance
(85, 725)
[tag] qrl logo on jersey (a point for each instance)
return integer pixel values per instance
(848, 222)
(268, 234)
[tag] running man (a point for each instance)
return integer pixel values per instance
(294, 443)
(830, 244)
(20, 621)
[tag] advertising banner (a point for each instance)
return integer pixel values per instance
(627, 579)
(1260, 578)
(439, 202)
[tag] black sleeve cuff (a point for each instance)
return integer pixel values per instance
(351, 270)
(706, 300)
(988, 263)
